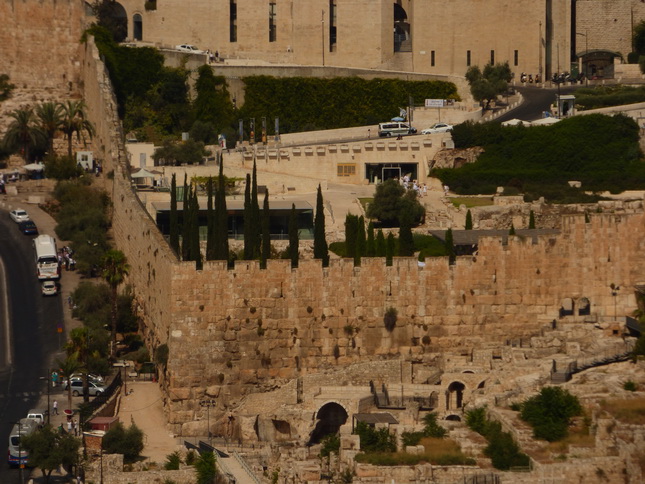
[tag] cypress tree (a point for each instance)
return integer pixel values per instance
(469, 220)
(389, 249)
(195, 251)
(360, 241)
(210, 223)
(531, 220)
(321, 251)
(186, 219)
(380, 244)
(248, 220)
(292, 250)
(406, 240)
(351, 225)
(174, 216)
(370, 250)
(221, 217)
(266, 232)
(256, 239)
(450, 247)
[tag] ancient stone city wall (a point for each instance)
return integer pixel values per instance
(41, 43)
(231, 332)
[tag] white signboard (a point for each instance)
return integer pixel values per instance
(434, 103)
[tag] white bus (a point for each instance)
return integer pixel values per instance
(47, 266)
(17, 455)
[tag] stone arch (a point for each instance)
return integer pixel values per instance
(567, 308)
(115, 18)
(453, 418)
(468, 371)
(455, 395)
(137, 27)
(481, 384)
(330, 417)
(402, 36)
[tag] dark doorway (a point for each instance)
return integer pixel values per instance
(330, 417)
(455, 395)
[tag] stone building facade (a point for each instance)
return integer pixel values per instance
(425, 36)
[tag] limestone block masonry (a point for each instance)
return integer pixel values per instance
(233, 332)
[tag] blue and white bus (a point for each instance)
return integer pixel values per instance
(17, 456)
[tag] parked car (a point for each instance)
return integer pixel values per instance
(438, 128)
(27, 227)
(19, 215)
(91, 377)
(77, 388)
(49, 288)
(190, 49)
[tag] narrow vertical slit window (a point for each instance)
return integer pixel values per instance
(272, 26)
(516, 57)
(233, 20)
(332, 25)
(432, 58)
(492, 57)
(467, 58)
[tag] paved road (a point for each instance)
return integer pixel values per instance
(24, 358)
(536, 101)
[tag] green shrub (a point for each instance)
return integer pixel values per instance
(432, 428)
(630, 386)
(330, 444)
(373, 440)
(477, 420)
(173, 461)
(550, 412)
(205, 467)
(389, 318)
(411, 438)
(119, 440)
(191, 457)
(161, 354)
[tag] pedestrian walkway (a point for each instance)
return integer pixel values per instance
(231, 465)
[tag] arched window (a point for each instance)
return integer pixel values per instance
(402, 37)
(137, 27)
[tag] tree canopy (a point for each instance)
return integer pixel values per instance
(391, 200)
(49, 449)
(487, 85)
(550, 412)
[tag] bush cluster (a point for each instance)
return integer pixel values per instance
(119, 440)
(600, 151)
(373, 440)
(606, 96)
(550, 412)
(502, 449)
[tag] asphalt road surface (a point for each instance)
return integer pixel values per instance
(536, 101)
(28, 339)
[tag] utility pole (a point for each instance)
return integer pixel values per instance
(208, 404)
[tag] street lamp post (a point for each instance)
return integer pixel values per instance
(208, 404)
(614, 293)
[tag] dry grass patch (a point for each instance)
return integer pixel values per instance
(444, 452)
(631, 410)
(471, 201)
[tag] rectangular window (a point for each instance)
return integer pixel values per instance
(467, 58)
(432, 58)
(272, 27)
(492, 57)
(233, 20)
(346, 169)
(332, 25)
(516, 57)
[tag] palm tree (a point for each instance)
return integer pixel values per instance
(75, 121)
(50, 118)
(115, 268)
(78, 348)
(22, 132)
(69, 366)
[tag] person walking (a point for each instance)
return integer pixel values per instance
(55, 407)
(70, 426)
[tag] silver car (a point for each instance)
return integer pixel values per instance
(19, 215)
(77, 388)
(438, 128)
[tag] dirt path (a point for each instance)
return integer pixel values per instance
(143, 406)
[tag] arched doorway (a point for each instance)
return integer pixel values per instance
(329, 419)
(402, 36)
(455, 395)
(113, 17)
(137, 27)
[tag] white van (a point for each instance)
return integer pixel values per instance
(38, 415)
(394, 128)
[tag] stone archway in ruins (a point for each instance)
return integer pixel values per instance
(455, 395)
(329, 419)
